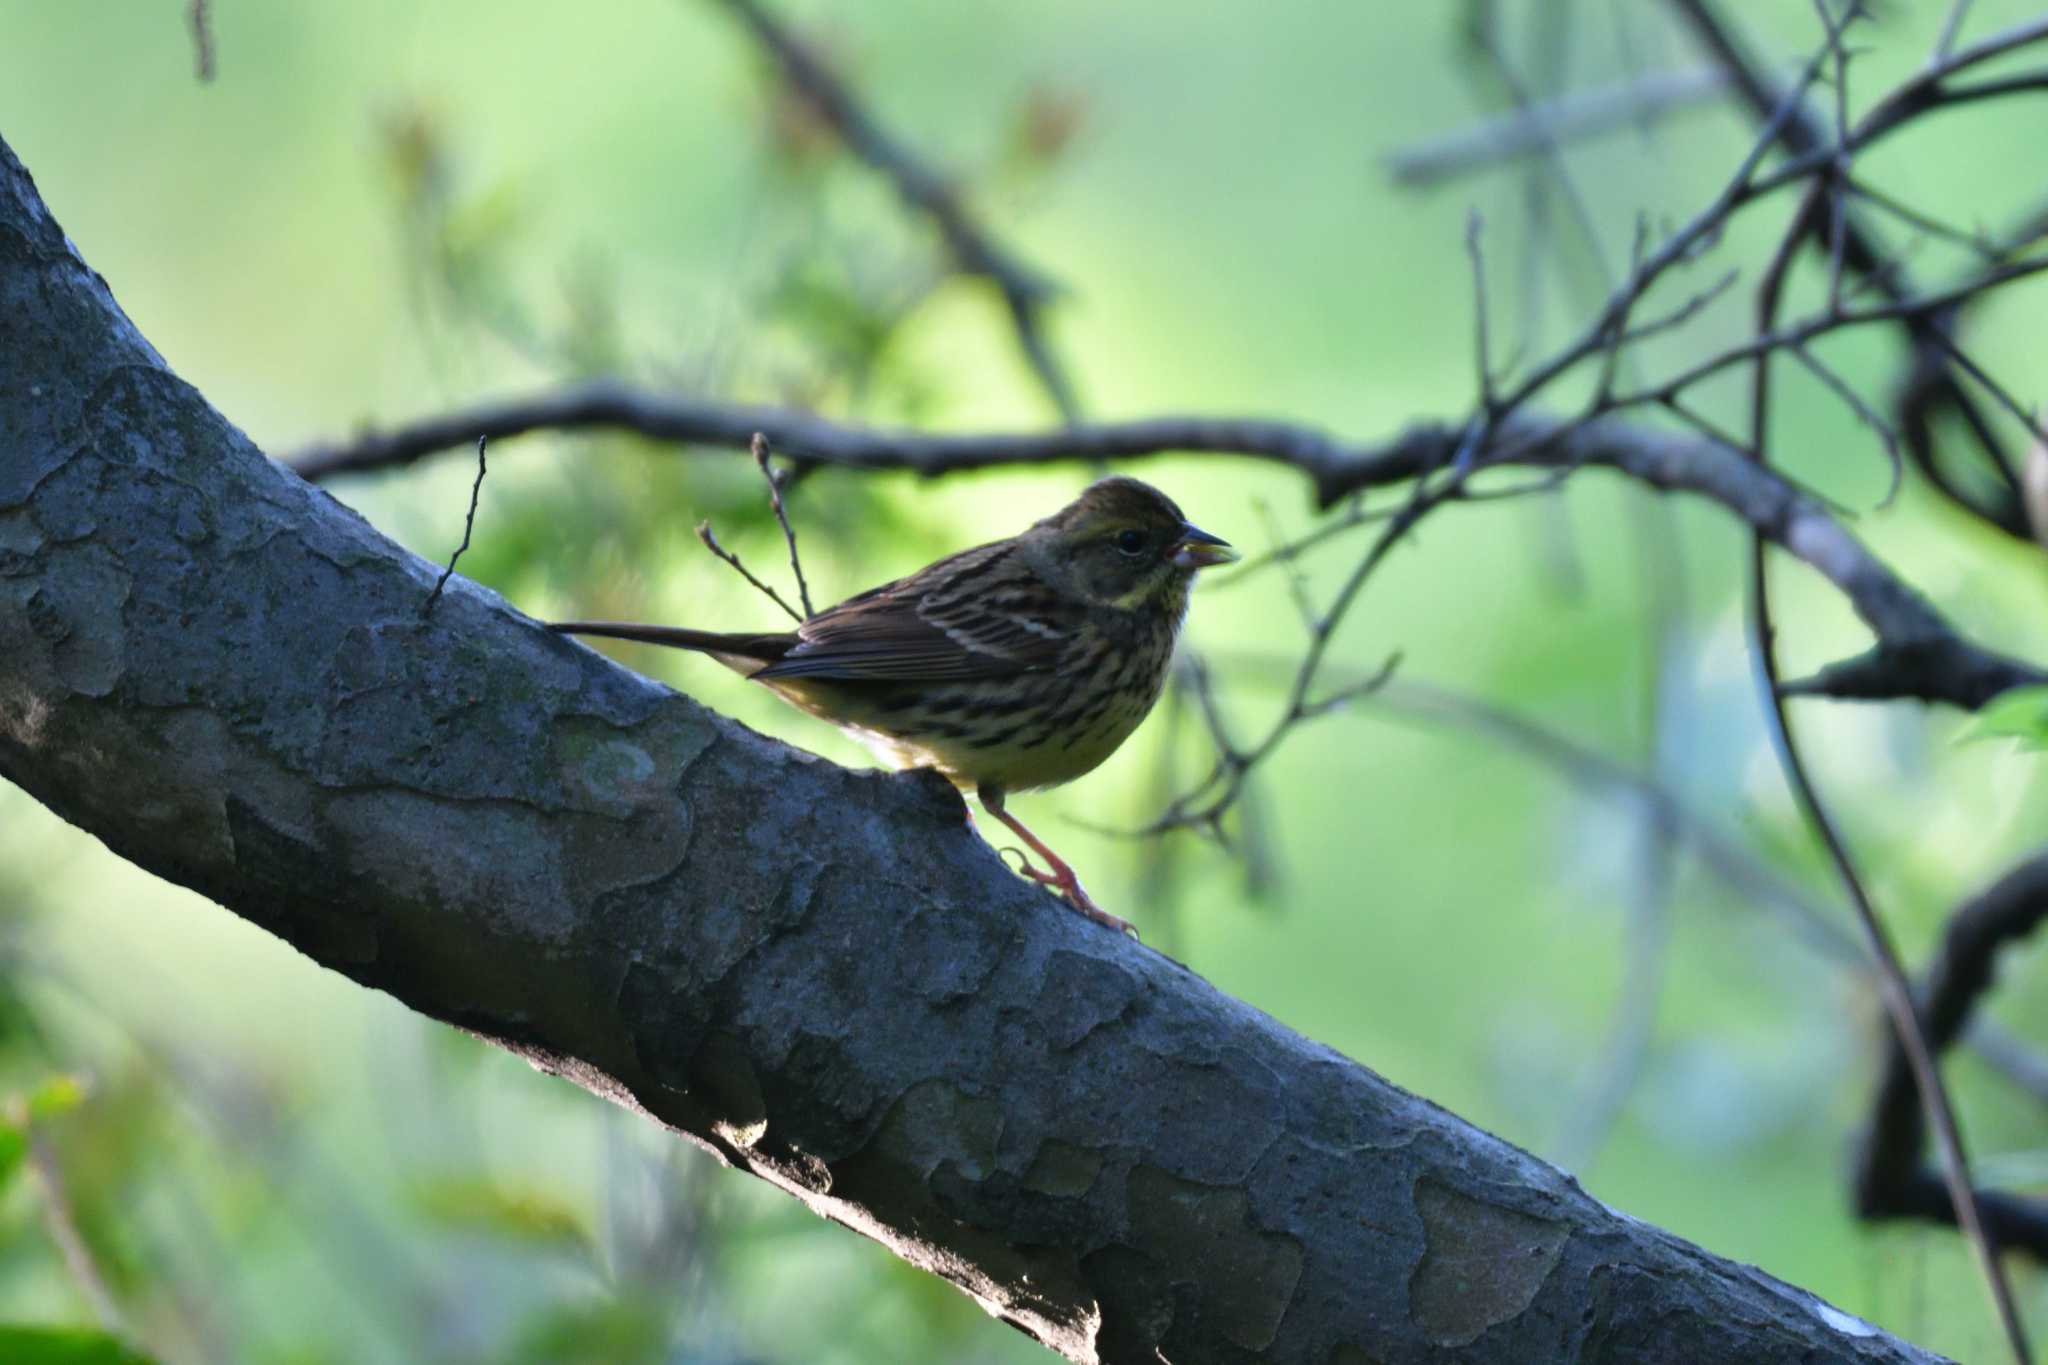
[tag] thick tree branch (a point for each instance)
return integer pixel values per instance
(819, 975)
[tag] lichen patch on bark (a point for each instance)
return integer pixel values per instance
(1482, 1264)
(1062, 1170)
(1244, 1274)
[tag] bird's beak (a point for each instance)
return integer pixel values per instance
(1200, 550)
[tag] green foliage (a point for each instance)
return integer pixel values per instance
(486, 1208)
(612, 1332)
(2020, 714)
(21, 1345)
(55, 1097)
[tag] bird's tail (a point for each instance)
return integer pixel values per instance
(733, 649)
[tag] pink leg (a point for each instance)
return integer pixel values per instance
(1061, 877)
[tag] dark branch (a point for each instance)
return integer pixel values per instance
(1946, 667)
(1580, 114)
(1959, 672)
(605, 405)
(1892, 1179)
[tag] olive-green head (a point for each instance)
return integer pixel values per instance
(1124, 544)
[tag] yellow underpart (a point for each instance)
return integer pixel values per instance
(1011, 766)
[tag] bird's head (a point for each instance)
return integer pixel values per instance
(1124, 544)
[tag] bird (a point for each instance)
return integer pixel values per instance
(1012, 666)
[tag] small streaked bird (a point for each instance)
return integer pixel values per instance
(1012, 666)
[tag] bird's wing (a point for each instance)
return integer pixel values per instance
(979, 614)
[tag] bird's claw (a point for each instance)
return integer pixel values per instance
(1067, 887)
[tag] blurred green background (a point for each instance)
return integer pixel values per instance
(381, 210)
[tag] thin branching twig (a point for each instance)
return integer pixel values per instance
(476, 489)
(1951, 26)
(1894, 990)
(759, 446)
(710, 542)
(198, 14)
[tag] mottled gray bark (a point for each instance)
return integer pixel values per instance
(820, 975)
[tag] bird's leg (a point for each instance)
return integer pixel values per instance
(1060, 877)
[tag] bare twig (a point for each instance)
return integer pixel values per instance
(1893, 988)
(1838, 171)
(1204, 806)
(1682, 314)
(1977, 241)
(2034, 489)
(605, 404)
(1891, 1181)
(1482, 345)
(2019, 411)
(975, 251)
(468, 523)
(1865, 413)
(1933, 386)
(759, 446)
(1799, 334)
(1287, 553)
(1945, 42)
(1340, 697)
(1742, 188)
(1567, 118)
(198, 13)
(710, 542)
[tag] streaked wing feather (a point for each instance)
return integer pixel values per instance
(974, 615)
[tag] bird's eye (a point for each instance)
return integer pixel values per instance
(1130, 542)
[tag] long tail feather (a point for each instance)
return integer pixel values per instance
(767, 648)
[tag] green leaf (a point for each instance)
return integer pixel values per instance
(2021, 714)
(481, 1206)
(617, 1332)
(13, 1146)
(64, 1346)
(55, 1098)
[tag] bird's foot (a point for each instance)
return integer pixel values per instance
(1064, 884)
